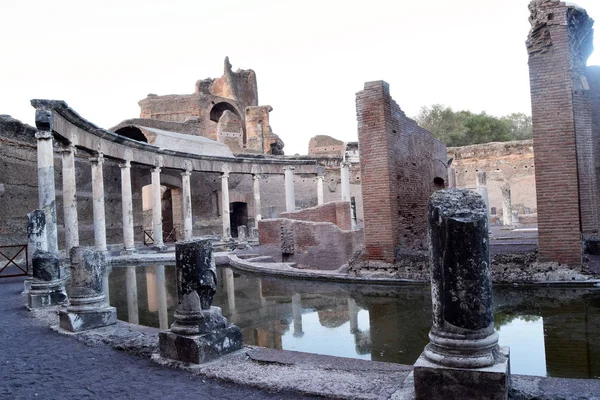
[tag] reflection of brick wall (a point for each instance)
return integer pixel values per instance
(337, 213)
(564, 157)
(399, 161)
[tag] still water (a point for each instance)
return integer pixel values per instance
(551, 331)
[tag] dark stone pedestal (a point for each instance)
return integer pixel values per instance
(46, 294)
(81, 321)
(436, 382)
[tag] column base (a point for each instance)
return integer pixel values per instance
(27, 284)
(437, 382)
(41, 298)
(81, 321)
(198, 349)
(128, 252)
(160, 247)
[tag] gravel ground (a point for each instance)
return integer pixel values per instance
(37, 363)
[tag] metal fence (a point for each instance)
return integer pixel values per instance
(14, 261)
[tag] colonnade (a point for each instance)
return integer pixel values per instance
(47, 197)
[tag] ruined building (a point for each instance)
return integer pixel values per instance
(566, 138)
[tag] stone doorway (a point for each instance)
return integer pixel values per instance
(238, 216)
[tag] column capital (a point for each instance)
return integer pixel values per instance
(156, 170)
(99, 159)
(68, 148)
(345, 164)
(320, 177)
(256, 177)
(43, 135)
(289, 168)
(125, 164)
(186, 173)
(225, 175)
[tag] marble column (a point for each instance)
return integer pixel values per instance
(290, 197)
(36, 240)
(132, 296)
(230, 288)
(186, 204)
(98, 203)
(297, 315)
(257, 205)
(483, 192)
(225, 206)
(70, 218)
(127, 204)
(44, 121)
(157, 230)
(345, 178)
(320, 179)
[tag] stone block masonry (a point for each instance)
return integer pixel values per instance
(401, 164)
(337, 213)
(559, 43)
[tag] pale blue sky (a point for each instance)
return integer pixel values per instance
(311, 57)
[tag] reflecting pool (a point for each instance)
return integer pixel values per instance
(551, 331)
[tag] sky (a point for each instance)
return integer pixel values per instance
(310, 57)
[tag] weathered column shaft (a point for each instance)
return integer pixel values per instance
(345, 178)
(320, 199)
(506, 206)
(186, 205)
(290, 196)
(70, 218)
(157, 230)
(225, 205)
(98, 202)
(257, 205)
(132, 296)
(483, 192)
(127, 205)
(46, 189)
(36, 234)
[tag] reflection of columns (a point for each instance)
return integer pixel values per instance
(353, 315)
(483, 192)
(98, 202)
(106, 286)
(297, 314)
(127, 206)
(506, 206)
(45, 167)
(345, 177)
(290, 197)
(69, 198)
(225, 205)
(320, 189)
(132, 297)
(157, 231)
(161, 294)
(230, 288)
(187, 205)
(256, 189)
(451, 177)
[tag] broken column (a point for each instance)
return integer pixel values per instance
(200, 333)
(36, 240)
(462, 359)
(88, 308)
(47, 285)
(225, 206)
(345, 180)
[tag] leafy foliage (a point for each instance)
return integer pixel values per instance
(462, 128)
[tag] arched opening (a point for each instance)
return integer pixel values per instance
(238, 216)
(438, 183)
(217, 112)
(132, 133)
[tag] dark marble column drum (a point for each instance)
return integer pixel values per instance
(47, 285)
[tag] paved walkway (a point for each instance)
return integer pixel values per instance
(37, 363)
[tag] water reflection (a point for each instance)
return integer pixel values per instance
(550, 331)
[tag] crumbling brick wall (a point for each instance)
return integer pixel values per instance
(401, 164)
(337, 213)
(559, 44)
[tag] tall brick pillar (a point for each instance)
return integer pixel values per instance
(559, 43)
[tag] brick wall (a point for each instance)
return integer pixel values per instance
(561, 137)
(399, 161)
(337, 213)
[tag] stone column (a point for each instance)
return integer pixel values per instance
(506, 206)
(36, 240)
(462, 358)
(157, 230)
(132, 296)
(320, 179)
(257, 205)
(451, 177)
(186, 204)
(44, 121)
(345, 177)
(483, 192)
(200, 333)
(230, 287)
(297, 315)
(47, 285)
(225, 206)
(88, 307)
(290, 197)
(98, 202)
(127, 204)
(69, 198)
(161, 294)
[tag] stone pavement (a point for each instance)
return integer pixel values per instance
(38, 363)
